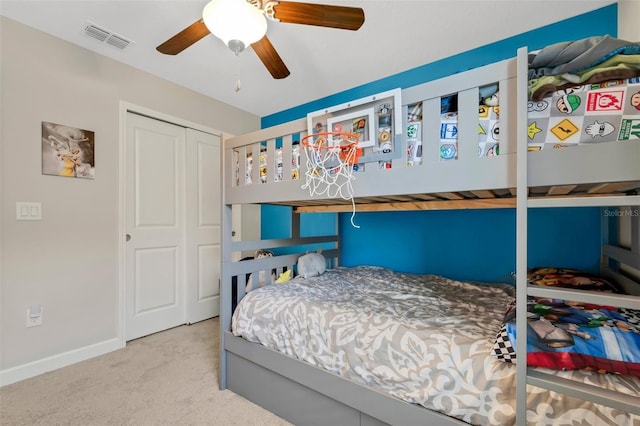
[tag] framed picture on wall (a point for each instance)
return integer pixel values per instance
(67, 151)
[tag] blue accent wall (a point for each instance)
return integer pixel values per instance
(461, 244)
(470, 244)
(276, 220)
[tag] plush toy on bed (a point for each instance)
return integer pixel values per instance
(489, 95)
(262, 278)
(284, 277)
(311, 264)
(492, 100)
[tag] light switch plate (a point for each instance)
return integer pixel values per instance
(28, 210)
(34, 315)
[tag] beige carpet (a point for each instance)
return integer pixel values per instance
(169, 378)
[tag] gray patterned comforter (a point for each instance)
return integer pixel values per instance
(421, 338)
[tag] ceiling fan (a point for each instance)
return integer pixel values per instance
(240, 23)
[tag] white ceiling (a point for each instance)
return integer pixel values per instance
(397, 35)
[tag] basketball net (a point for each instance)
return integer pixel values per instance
(330, 157)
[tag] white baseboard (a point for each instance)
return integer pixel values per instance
(35, 368)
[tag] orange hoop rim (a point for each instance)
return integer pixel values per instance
(346, 141)
(347, 145)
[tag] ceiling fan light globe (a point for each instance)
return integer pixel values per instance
(235, 20)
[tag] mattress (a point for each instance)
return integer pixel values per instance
(593, 113)
(423, 339)
(608, 111)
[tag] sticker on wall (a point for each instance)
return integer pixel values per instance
(67, 151)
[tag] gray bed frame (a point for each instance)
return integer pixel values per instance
(306, 395)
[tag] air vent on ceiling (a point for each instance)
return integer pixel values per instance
(106, 36)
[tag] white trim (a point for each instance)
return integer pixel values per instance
(121, 225)
(126, 107)
(137, 109)
(35, 368)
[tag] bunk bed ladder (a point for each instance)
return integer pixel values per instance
(631, 257)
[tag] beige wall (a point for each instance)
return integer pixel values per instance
(68, 261)
(628, 16)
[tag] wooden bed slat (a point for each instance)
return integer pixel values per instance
(561, 189)
(487, 203)
(418, 202)
(466, 199)
(484, 194)
(425, 197)
(450, 195)
(610, 187)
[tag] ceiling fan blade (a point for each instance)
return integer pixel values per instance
(322, 15)
(184, 38)
(270, 58)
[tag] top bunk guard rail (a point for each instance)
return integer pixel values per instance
(469, 181)
(410, 183)
(243, 246)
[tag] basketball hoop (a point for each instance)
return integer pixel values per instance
(331, 157)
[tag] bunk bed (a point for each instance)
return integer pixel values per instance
(516, 178)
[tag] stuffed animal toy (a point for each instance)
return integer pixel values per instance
(311, 264)
(262, 276)
(284, 277)
(489, 93)
(263, 253)
(493, 100)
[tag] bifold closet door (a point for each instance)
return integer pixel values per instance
(172, 206)
(155, 226)
(204, 204)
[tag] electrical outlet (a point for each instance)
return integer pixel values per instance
(34, 316)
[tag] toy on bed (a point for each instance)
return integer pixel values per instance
(568, 335)
(262, 276)
(249, 277)
(284, 277)
(311, 264)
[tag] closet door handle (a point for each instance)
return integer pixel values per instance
(127, 237)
